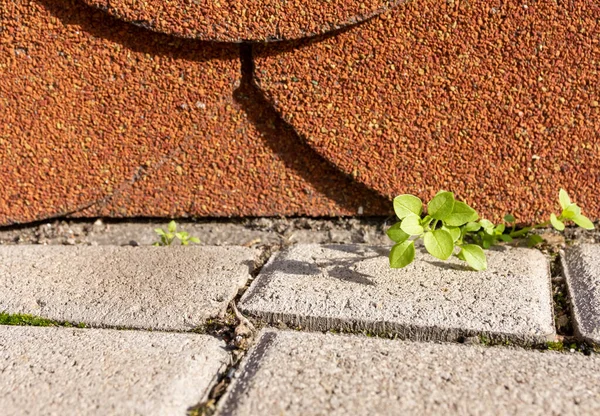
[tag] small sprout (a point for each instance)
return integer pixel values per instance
(453, 227)
(167, 237)
(570, 212)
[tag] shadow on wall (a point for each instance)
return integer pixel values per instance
(283, 140)
(323, 188)
(135, 37)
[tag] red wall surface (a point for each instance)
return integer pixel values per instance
(207, 109)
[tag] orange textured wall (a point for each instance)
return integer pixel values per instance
(119, 110)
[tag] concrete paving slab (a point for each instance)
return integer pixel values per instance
(351, 287)
(166, 288)
(581, 267)
(60, 371)
(294, 373)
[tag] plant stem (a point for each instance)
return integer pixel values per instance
(541, 225)
(523, 231)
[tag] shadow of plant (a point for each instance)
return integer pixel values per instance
(341, 268)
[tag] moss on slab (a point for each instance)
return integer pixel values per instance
(31, 320)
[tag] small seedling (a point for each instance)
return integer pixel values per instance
(167, 237)
(451, 227)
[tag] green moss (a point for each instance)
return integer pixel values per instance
(30, 320)
(21, 319)
(484, 340)
(555, 346)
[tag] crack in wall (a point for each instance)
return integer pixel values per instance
(278, 135)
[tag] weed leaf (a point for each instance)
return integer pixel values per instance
(571, 212)
(461, 214)
(441, 206)
(454, 232)
(472, 227)
(487, 226)
(474, 256)
(405, 205)
(402, 254)
(412, 225)
(439, 243)
(583, 222)
(564, 199)
(396, 234)
(556, 223)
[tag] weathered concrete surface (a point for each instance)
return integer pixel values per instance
(59, 371)
(296, 373)
(581, 267)
(353, 287)
(169, 288)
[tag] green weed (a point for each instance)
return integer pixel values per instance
(452, 227)
(167, 237)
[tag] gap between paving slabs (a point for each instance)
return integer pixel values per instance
(238, 340)
(232, 328)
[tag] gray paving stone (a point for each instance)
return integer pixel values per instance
(581, 266)
(294, 373)
(167, 288)
(352, 287)
(60, 371)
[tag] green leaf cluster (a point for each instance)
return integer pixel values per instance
(167, 237)
(452, 227)
(443, 230)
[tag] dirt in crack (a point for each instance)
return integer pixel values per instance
(238, 332)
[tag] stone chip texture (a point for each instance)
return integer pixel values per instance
(239, 20)
(104, 118)
(496, 101)
(296, 373)
(581, 267)
(60, 371)
(111, 109)
(352, 287)
(168, 288)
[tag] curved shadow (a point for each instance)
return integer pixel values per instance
(281, 137)
(328, 28)
(277, 134)
(137, 38)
